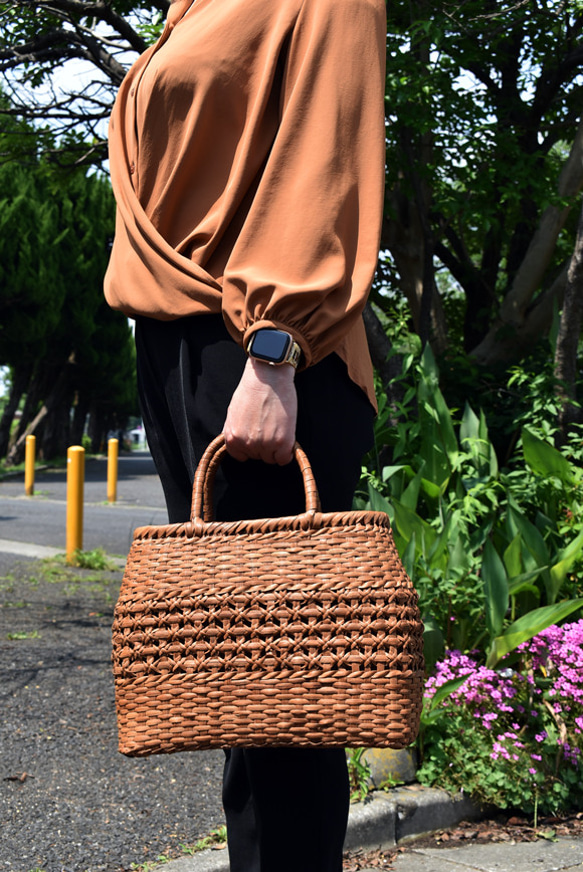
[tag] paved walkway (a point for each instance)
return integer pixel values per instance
(565, 855)
(36, 526)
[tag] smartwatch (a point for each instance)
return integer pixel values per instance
(275, 347)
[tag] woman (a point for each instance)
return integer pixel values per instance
(247, 159)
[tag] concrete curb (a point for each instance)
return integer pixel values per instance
(42, 552)
(385, 819)
(26, 549)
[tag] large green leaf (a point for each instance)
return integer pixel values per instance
(567, 557)
(530, 535)
(495, 583)
(474, 437)
(513, 557)
(432, 490)
(431, 708)
(522, 582)
(408, 557)
(530, 625)
(544, 458)
(459, 552)
(397, 478)
(470, 425)
(439, 554)
(438, 440)
(409, 524)
(377, 501)
(410, 495)
(436, 462)
(433, 643)
(535, 554)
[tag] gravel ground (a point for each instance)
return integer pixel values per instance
(69, 802)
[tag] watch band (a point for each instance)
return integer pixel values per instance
(293, 355)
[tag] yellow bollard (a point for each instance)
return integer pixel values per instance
(29, 455)
(75, 484)
(112, 452)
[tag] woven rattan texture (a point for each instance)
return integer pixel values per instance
(289, 631)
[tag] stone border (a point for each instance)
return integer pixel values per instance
(384, 819)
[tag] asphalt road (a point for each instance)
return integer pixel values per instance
(68, 800)
(41, 519)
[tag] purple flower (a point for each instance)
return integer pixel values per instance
(528, 708)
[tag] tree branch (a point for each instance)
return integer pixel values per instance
(531, 272)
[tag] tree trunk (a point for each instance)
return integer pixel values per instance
(514, 330)
(530, 275)
(81, 410)
(97, 429)
(568, 339)
(56, 429)
(36, 390)
(404, 237)
(20, 379)
(505, 343)
(56, 396)
(388, 366)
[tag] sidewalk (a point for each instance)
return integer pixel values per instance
(562, 856)
(403, 815)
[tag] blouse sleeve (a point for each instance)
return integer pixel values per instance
(306, 255)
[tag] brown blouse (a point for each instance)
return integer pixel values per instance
(247, 160)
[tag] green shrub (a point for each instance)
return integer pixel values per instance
(494, 552)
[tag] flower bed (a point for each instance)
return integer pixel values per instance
(512, 737)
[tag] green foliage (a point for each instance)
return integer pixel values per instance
(493, 552)
(23, 636)
(359, 773)
(150, 29)
(96, 559)
(217, 836)
(480, 121)
(56, 227)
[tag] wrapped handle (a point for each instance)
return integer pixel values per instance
(207, 469)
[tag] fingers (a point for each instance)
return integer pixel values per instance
(269, 449)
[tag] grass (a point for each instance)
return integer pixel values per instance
(19, 637)
(56, 463)
(7, 582)
(93, 572)
(56, 570)
(358, 773)
(96, 559)
(147, 867)
(215, 837)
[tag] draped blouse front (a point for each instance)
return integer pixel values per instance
(247, 160)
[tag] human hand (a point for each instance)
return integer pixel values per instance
(261, 418)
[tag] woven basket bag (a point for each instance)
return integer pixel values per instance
(295, 631)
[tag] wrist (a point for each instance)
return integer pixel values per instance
(266, 372)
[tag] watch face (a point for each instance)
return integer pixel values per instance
(270, 345)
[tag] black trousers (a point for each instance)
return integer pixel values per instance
(286, 808)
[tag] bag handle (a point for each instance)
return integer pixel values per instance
(207, 469)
